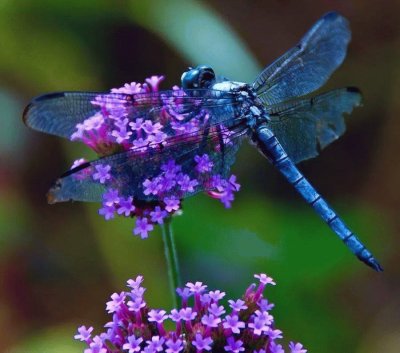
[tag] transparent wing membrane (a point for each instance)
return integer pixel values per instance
(302, 126)
(59, 113)
(131, 168)
(307, 66)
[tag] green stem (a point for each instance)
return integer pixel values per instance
(172, 259)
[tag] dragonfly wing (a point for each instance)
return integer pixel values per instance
(129, 169)
(307, 66)
(302, 126)
(60, 113)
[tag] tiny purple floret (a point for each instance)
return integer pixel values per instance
(103, 173)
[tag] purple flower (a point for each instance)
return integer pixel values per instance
(157, 316)
(108, 212)
(166, 183)
(263, 315)
(137, 292)
(296, 348)
(184, 293)
(187, 314)
(135, 283)
(96, 346)
(216, 310)
(94, 123)
(264, 279)
(136, 125)
(103, 173)
(171, 168)
(78, 133)
(205, 299)
(136, 304)
(276, 348)
(197, 287)
(265, 305)
(128, 88)
(140, 144)
(114, 304)
(237, 305)
(118, 124)
(233, 184)
(202, 343)
(154, 82)
(171, 203)
(133, 344)
(143, 227)
(110, 197)
(187, 184)
(158, 215)
(135, 327)
(274, 334)
(126, 206)
(174, 346)
(216, 295)
(157, 138)
(84, 333)
(175, 315)
(151, 187)
(156, 343)
(232, 322)
(151, 128)
(259, 326)
(204, 164)
(234, 346)
(121, 135)
(210, 320)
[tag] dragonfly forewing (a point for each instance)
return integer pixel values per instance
(307, 66)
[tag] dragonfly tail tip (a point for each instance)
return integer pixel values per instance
(373, 263)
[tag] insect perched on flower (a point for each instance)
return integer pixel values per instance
(158, 147)
(202, 324)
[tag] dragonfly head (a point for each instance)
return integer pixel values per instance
(200, 77)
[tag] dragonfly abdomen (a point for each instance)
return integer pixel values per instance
(272, 149)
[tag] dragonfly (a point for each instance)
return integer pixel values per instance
(194, 132)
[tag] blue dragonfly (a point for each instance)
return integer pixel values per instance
(204, 122)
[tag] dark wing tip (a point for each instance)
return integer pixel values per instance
(49, 96)
(33, 103)
(331, 16)
(25, 114)
(334, 16)
(356, 91)
(76, 169)
(353, 90)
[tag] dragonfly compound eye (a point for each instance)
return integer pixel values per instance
(206, 76)
(190, 78)
(200, 77)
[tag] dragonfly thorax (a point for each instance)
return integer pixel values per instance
(251, 107)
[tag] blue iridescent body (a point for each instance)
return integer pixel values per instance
(275, 112)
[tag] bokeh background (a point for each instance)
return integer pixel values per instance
(59, 264)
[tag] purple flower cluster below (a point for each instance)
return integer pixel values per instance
(121, 124)
(201, 324)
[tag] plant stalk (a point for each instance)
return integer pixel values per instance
(171, 257)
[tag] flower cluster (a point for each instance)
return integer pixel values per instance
(153, 125)
(202, 324)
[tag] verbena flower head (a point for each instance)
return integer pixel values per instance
(202, 324)
(121, 126)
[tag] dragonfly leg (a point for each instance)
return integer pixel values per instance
(272, 149)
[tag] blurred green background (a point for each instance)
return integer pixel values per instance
(60, 263)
